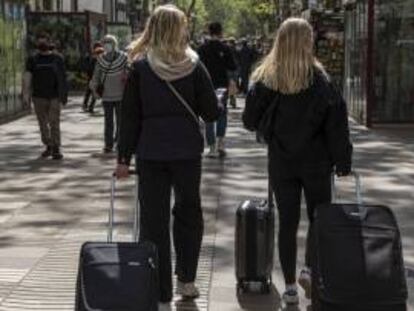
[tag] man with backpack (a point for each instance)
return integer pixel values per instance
(46, 85)
(219, 60)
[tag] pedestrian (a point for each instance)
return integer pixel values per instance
(307, 136)
(219, 61)
(247, 58)
(167, 91)
(46, 85)
(108, 83)
(89, 66)
(233, 89)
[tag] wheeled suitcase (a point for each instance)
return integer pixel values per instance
(254, 244)
(357, 258)
(119, 276)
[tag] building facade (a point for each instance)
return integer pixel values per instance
(379, 54)
(116, 10)
(12, 58)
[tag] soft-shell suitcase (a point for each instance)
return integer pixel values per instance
(119, 276)
(357, 258)
(254, 244)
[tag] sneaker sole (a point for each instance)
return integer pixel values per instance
(292, 302)
(307, 287)
(186, 297)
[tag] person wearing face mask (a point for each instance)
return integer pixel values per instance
(45, 84)
(108, 83)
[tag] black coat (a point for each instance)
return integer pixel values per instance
(310, 128)
(219, 60)
(154, 124)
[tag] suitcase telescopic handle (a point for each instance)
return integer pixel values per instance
(362, 210)
(358, 187)
(135, 235)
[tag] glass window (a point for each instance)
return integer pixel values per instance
(356, 36)
(394, 46)
(12, 56)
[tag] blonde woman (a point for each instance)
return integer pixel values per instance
(168, 89)
(308, 136)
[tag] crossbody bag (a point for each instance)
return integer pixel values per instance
(181, 99)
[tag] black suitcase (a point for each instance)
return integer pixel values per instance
(119, 276)
(254, 244)
(357, 259)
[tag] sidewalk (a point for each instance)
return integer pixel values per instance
(47, 209)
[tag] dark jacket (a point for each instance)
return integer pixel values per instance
(247, 58)
(310, 128)
(89, 66)
(155, 125)
(219, 60)
(49, 78)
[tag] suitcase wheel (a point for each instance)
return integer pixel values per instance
(241, 288)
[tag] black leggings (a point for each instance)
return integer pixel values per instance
(157, 179)
(288, 191)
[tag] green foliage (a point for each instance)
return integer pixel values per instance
(239, 17)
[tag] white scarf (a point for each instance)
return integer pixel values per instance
(173, 71)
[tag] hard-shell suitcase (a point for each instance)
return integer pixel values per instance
(254, 244)
(120, 276)
(357, 259)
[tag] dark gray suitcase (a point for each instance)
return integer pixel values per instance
(120, 276)
(358, 263)
(254, 244)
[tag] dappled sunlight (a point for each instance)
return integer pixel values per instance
(49, 208)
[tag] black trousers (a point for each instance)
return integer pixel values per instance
(157, 180)
(316, 184)
(111, 131)
(88, 95)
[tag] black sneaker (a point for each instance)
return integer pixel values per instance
(47, 153)
(56, 154)
(107, 150)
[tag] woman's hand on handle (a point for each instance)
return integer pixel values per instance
(122, 171)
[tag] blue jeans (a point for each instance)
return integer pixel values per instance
(218, 128)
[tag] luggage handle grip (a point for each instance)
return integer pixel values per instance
(362, 212)
(135, 237)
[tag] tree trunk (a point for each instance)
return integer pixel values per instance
(191, 8)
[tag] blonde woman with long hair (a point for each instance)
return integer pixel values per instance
(167, 91)
(307, 135)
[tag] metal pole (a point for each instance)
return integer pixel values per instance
(370, 63)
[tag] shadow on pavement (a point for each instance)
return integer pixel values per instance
(256, 302)
(186, 305)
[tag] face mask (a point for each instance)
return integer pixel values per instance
(108, 48)
(43, 47)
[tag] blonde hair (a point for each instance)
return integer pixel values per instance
(290, 65)
(165, 34)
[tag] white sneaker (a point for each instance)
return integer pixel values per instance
(291, 297)
(187, 290)
(212, 153)
(305, 281)
(164, 306)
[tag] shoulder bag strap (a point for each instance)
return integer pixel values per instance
(183, 102)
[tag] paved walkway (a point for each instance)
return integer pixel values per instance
(47, 209)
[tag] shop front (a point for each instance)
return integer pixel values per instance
(379, 66)
(73, 34)
(12, 58)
